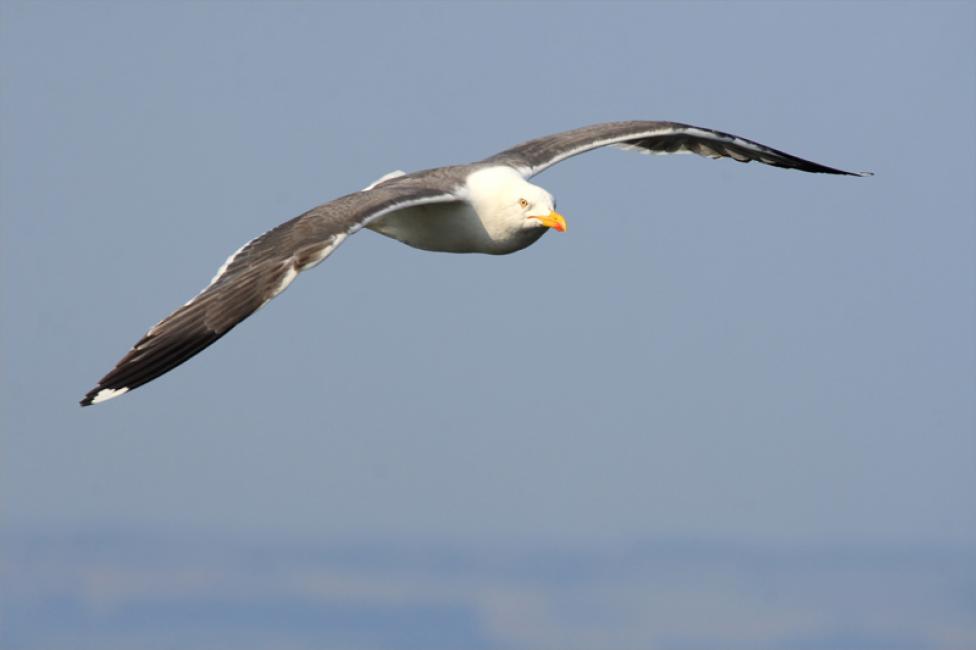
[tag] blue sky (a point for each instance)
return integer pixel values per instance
(713, 350)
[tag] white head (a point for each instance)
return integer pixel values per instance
(507, 203)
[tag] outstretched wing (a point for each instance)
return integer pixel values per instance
(533, 156)
(260, 270)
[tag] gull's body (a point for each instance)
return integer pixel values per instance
(484, 207)
(473, 225)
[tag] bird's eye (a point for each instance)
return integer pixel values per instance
(523, 203)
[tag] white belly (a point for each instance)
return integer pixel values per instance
(451, 228)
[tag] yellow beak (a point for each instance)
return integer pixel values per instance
(553, 220)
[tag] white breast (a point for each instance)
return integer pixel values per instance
(452, 228)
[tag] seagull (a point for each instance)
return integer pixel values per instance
(483, 207)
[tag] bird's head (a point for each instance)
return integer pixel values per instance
(538, 209)
(502, 196)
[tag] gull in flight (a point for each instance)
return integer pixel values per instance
(482, 207)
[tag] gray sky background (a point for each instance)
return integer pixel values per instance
(713, 350)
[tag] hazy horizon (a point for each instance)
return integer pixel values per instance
(142, 589)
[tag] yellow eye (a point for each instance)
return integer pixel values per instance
(523, 203)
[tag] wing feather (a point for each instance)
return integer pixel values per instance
(539, 154)
(256, 273)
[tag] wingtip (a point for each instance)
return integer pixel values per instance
(862, 174)
(101, 394)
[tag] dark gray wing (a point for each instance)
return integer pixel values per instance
(256, 273)
(533, 156)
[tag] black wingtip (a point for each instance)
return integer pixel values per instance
(89, 396)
